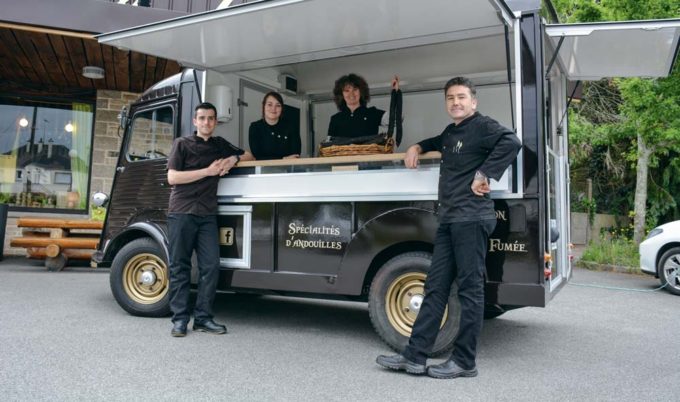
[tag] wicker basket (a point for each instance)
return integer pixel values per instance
(358, 149)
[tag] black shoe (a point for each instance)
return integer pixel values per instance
(400, 363)
(210, 327)
(179, 329)
(449, 369)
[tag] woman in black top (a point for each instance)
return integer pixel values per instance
(270, 137)
(354, 119)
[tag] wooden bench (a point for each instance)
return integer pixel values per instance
(58, 240)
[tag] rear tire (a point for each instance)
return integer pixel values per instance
(140, 279)
(396, 289)
(669, 265)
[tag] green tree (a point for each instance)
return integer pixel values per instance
(578, 10)
(652, 114)
(641, 114)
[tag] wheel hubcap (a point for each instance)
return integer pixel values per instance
(415, 303)
(404, 299)
(148, 278)
(145, 278)
(672, 271)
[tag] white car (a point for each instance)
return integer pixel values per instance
(660, 255)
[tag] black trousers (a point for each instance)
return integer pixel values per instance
(188, 233)
(459, 254)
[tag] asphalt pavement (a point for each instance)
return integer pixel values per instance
(64, 338)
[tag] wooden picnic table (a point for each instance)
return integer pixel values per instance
(58, 240)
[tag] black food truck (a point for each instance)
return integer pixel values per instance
(361, 228)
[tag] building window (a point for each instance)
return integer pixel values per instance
(45, 154)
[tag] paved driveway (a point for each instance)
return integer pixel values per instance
(63, 337)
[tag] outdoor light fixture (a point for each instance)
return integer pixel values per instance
(93, 72)
(23, 122)
(68, 127)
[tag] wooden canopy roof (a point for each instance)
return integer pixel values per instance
(48, 60)
(45, 45)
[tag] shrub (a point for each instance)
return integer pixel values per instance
(97, 213)
(613, 251)
(586, 205)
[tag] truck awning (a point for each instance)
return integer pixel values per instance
(616, 49)
(278, 32)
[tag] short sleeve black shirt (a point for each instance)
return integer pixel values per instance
(193, 153)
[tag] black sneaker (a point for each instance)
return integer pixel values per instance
(400, 363)
(449, 369)
(179, 329)
(210, 327)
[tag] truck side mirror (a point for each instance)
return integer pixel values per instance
(99, 199)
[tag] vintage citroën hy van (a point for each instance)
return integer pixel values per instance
(362, 227)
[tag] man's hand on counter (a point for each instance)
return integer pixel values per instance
(412, 154)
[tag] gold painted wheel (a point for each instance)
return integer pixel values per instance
(395, 299)
(145, 278)
(403, 300)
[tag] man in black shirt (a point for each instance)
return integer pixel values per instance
(195, 165)
(473, 148)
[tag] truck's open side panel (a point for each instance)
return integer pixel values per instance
(592, 51)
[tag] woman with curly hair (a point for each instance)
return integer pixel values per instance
(354, 118)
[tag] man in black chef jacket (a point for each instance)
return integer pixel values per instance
(474, 147)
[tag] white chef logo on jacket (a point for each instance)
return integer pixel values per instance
(459, 145)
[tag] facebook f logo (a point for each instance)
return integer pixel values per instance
(226, 236)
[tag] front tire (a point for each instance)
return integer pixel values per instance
(140, 279)
(669, 270)
(394, 301)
